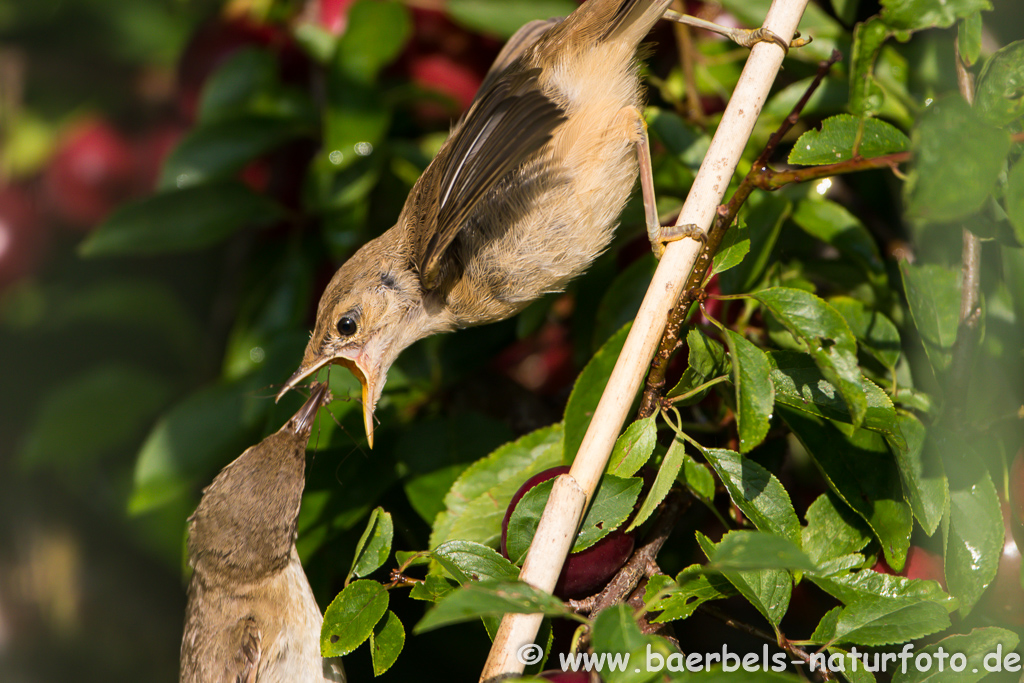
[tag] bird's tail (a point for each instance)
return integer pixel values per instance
(617, 20)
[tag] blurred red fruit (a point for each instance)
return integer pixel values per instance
(541, 362)
(1003, 600)
(333, 15)
(587, 571)
(921, 564)
(1015, 511)
(443, 74)
(23, 235)
(92, 171)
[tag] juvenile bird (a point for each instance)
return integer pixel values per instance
(521, 198)
(251, 616)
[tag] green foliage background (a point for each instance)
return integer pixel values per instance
(142, 358)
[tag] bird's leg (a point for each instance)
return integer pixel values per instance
(747, 37)
(658, 234)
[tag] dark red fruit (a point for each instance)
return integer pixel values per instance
(333, 15)
(23, 235)
(1015, 510)
(587, 571)
(445, 75)
(541, 362)
(91, 173)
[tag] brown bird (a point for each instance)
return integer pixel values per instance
(251, 616)
(521, 198)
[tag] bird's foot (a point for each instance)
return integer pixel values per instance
(747, 37)
(673, 233)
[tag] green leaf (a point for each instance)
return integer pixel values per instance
(490, 599)
(685, 142)
(611, 505)
(957, 159)
(933, 295)
(183, 220)
(375, 34)
(884, 621)
(768, 590)
(355, 122)
(833, 530)
(663, 481)
(916, 15)
(615, 630)
(733, 249)
(744, 550)
(1000, 94)
(876, 334)
(236, 83)
(866, 95)
(477, 500)
(432, 588)
(633, 448)
(757, 493)
(983, 650)
(922, 473)
(622, 300)
(374, 545)
(479, 15)
(386, 643)
(763, 214)
(826, 336)
(351, 616)
(698, 478)
(218, 150)
(838, 135)
(860, 469)
(692, 587)
(834, 225)
(706, 361)
(755, 395)
(91, 415)
(587, 392)
(850, 587)
(972, 530)
(968, 40)
(799, 384)
(1015, 200)
(468, 561)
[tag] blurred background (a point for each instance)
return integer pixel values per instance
(235, 153)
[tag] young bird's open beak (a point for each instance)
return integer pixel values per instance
(361, 367)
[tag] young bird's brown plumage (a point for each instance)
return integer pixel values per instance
(251, 616)
(522, 197)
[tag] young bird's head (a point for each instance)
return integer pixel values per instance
(370, 311)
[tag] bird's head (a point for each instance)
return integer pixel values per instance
(367, 315)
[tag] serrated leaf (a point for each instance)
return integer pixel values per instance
(490, 599)
(633, 448)
(733, 249)
(183, 220)
(755, 395)
(386, 643)
(351, 616)
(922, 473)
(884, 621)
(744, 550)
(833, 530)
(1000, 93)
(957, 159)
(800, 384)
(860, 469)
(826, 336)
(875, 333)
(850, 587)
(972, 529)
(978, 649)
(698, 478)
(706, 360)
(432, 588)
(933, 295)
(692, 587)
(587, 392)
(479, 15)
(374, 545)
(768, 590)
(468, 561)
(866, 96)
(757, 493)
(833, 224)
(835, 141)
(663, 481)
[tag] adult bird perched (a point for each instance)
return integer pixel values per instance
(521, 198)
(251, 616)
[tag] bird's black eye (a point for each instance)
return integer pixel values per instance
(347, 326)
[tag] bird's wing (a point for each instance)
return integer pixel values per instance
(519, 43)
(248, 641)
(506, 125)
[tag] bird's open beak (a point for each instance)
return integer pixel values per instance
(320, 395)
(361, 368)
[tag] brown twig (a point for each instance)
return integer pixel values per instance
(781, 640)
(670, 340)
